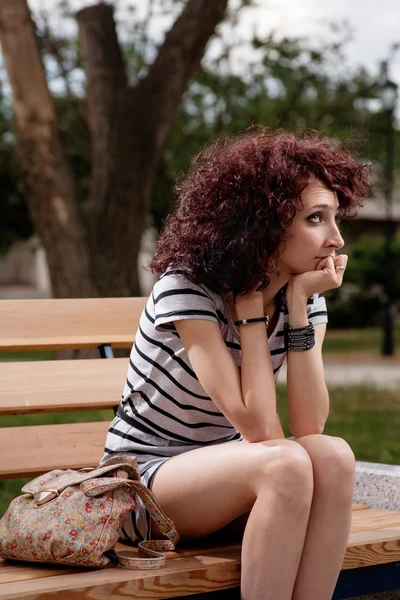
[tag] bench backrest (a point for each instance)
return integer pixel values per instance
(68, 323)
(50, 386)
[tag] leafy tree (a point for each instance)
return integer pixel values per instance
(360, 303)
(92, 250)
(15, 222)
(283, 82)
(368, 266)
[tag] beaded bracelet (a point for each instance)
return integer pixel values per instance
(299, 339)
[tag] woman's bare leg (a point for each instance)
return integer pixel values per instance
(204, 490)
(330, 518)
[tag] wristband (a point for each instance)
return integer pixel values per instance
(299, 339)
(254, 320)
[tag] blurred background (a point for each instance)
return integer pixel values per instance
(102, 105)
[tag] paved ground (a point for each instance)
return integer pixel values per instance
(347, 373)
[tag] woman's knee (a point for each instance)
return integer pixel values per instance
(333, 461)
(289, 474)
(329, 452)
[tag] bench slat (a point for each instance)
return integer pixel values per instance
(374, 518)
(372, 547)
(61, 385)
(189, 575)
(199, 569)
(30, 451)
(68, 323)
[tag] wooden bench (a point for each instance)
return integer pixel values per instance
(208, 568)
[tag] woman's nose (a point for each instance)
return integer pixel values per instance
(336, 239)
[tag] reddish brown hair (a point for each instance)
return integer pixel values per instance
(233, 209)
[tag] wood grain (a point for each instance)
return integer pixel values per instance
(30, 451)
(374, 518)
(61, 385)
(68, 323)
(193, 568)
(184, 576)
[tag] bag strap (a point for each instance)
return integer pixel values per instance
(151, 551)
(165, 525)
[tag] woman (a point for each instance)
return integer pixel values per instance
(245, 257)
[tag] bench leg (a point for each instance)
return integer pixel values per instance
(368, 580)
(351, 583)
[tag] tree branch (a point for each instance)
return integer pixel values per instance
(178, 60)
(106, 82)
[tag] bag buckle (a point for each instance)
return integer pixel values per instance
(44, 496)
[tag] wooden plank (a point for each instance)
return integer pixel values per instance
(20, 571)
(374, 518)
(60, 385)
(374, 547)
(371, 536)
(30, 451)
(68, 323)
(14, 571)
(193, 568)
(214, 570)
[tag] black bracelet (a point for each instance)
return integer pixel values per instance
(254, 320)
(299, 339)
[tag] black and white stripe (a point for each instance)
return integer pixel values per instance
(164, 410)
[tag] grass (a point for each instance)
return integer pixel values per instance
(355, 340)
(30, 355)
(367, 418)
(337, 341)
(12, 487)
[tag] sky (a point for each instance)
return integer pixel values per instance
(374, 25)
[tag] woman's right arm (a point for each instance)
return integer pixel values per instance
(246, 397)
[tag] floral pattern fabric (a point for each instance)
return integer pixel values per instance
(75, 518)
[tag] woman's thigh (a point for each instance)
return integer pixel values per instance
(215, 487)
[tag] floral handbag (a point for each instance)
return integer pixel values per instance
(75, 518)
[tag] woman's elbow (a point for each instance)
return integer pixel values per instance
(254, 430)
(302, 430)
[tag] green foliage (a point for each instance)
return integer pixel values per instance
(287, 83)
(371, 275)
(368, 265)
(282, 82)
(367, 418)
(15, 222)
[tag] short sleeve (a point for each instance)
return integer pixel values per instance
(316, 309)
(176, 298)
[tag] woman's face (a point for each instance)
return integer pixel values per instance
(314, 233)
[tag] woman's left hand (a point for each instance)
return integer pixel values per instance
(328, 275)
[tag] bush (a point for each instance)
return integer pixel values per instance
(353, 310)
(369, 274)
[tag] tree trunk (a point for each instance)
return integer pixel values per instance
(49, 181)
(140, 120)
(129, 127)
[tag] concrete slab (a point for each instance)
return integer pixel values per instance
(377, 485)
(355, 373)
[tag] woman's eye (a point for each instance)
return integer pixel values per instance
(315, 218)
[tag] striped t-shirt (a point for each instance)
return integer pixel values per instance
(164, 410)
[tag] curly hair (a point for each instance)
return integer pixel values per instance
(233, 209)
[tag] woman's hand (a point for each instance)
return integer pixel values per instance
(328, 275)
